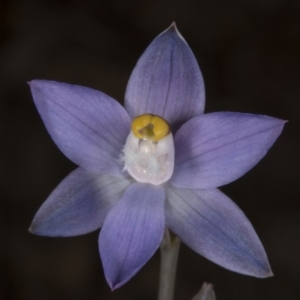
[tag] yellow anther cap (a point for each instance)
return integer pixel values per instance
(150, 127)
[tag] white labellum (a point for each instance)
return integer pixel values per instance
(148, 161)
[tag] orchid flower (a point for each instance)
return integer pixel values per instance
(155, 163)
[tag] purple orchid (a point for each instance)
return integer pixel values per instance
(134, 179)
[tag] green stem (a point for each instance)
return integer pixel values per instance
(169, 250)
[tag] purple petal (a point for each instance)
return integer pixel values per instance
(213, 226)
(214, 149)
(166, 81)
(89, 127)
(132, 232)
(79, 204)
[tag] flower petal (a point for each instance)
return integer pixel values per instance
(132, 232)
(79, 204)
(215, 149)
(166, 81)
(89, 127)
(213, 226)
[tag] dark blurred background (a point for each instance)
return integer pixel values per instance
(249, 53)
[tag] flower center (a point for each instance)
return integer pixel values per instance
(148, 154)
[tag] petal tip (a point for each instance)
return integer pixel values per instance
(114, 287)
(173, 28)
(115, 284)
(34, 82)
(268, 273)
(30, 229)
(33, 229)
(36, 85)
(31, 83)
(263, 271)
